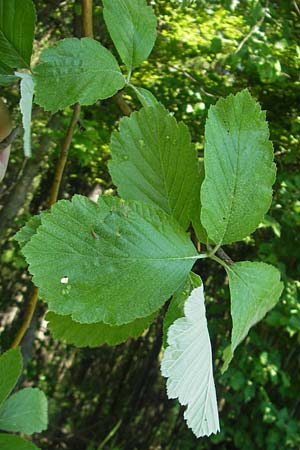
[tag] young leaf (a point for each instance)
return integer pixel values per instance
(153, 160)
(187, 363)
(145, 97)
(94, 334)
(176, 306)
(27, 87)
(12, 442)
(25, 412)
(77, 70)
(11, 365)
(255, 288)
(112, 262)
(17, 21)
(132, 26)
(239, 169)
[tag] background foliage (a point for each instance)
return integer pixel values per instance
(115, 398)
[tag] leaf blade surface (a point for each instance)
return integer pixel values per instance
(132, 26)
(153, 160)
(239, 169)
(101, 259)
(77, 70)
(255, 288)
(187, 363)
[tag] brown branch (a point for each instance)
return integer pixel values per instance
(28, 316)
(64, 155)
(224, 257)
(87, 18)
(122, 104)
(87, 24)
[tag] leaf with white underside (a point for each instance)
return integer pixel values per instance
(132, 26)
(17, 21)
(153, 160)
(187, 363)
(13, 442)
(77, 70)
(11, 365)
(94, 334)
(255, 288)
(27, 89)
(112, 261)
(239, 169)
(26, 411)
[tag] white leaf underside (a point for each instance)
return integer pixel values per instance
(187, 363)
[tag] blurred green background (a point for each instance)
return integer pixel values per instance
(114, 398)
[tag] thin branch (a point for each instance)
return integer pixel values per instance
(191, 77)
(87, 26)
(64, 155)
(87, 18)
(253, 30)
(122, 104)
(28, 316)
(226, 258)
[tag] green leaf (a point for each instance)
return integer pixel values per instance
(187, 363)
(27, 88)
(239, 169)
(94, 334)
(12, 442)
(255, 288)
(112, 262)
(145, 97)
(29, 229)
(132, 26)
(11, 364)
(176, 306)
(153, 160)
(25, 412)
(77, 70)
(17, 21)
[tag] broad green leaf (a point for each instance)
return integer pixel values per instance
(27, 88)
(132, 26)
(17, 21)
(145, 97)
(255, 288)
(94, 334)
(187, 363)
(77, 70)
(239, 169)
(176, 306)
(11, 365)
(153, 160)
(28, 230)
(12, 442)
(112, 261)
(25, 412)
